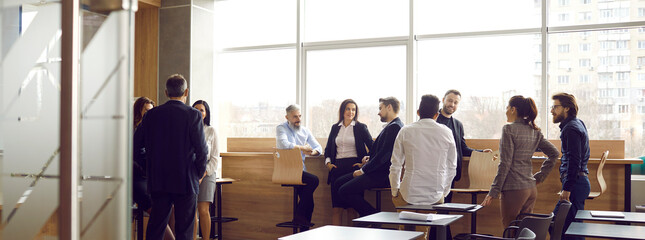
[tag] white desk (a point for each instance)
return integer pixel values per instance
(347, 233)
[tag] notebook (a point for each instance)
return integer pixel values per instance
(422, 217)
(454, 206)
(609, 214)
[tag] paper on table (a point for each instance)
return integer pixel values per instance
(422, 217)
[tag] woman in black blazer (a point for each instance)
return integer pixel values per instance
(347, 144)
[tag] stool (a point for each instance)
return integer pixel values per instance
(217, 218)
(137, 215)
(291, 224)
(378, 196)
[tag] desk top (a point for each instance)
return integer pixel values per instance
(347, 233)
(225, 180)
(610, 231)
(591, 160)
(431, 208)
(393, 218)
(630, 217)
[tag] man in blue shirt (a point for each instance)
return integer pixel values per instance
(575, 155)
(290, 135)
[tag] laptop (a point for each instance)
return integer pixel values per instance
(454, 206)
(607, 214)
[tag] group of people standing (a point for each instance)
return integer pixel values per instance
(420, 162)
(175, 163)
(176, 156)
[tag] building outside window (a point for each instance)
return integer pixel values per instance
(583, 79)
(585, 62)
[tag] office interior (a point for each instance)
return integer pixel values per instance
(71, 71)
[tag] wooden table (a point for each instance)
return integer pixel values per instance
(472, 211)
(347, 233)
(393, 218)
(610, 231)
(630, 217)
(218, 217)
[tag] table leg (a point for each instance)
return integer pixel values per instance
(219, 210)
(628, 188)
(473, 223)
(441, 233)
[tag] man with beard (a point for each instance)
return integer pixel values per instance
(376, 167)
(575, 155)
(290, 135)
(450, 103)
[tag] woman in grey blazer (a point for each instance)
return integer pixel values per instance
(515, 181)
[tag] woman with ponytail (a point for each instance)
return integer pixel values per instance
(515, 181)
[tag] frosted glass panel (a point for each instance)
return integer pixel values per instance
(104, 129)
(30, 102)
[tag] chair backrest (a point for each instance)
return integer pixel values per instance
(482, 169)
(599, 176)
(526, 234)
(558, 220)
(538, 225)
(287, 166)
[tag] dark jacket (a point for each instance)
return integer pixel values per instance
(362, 139)
(381, 151)
(575, 151)
(460, 143)
(176, 151)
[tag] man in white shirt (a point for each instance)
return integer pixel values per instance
(427, 149)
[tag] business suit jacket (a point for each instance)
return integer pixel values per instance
(362, 139)
(381, 150)
(176, 150)
(460, 142)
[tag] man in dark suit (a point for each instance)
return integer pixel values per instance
(176, 151)
(376, 169)
(450, 103)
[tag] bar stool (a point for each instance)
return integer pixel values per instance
(378, 191)
(217, 218)
(295, 226)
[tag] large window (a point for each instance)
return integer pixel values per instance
(319, 52)
(361, 74)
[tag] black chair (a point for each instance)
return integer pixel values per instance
(137, 216)
(557, 225)
(291, 224)
(538, 226)
(378, 191)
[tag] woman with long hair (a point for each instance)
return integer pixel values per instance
(207, 184)
(140, 194)
(515, 181)
(348, 142)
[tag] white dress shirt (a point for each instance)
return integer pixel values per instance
(345, 142)
(213, 151)
(428, 151)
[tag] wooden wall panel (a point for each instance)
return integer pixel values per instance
(260, 204)
(146, 37)
(616, 147)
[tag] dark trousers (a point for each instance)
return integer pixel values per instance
(579, 194)
(185, 209)
(343, 167)
(351, 190)
(305, 193)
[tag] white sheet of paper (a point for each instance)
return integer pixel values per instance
(422, 216)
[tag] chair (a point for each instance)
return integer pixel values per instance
(599, 176)
(137, 217)
(557, 225)
(482, 169)
(377, 192)
(287, 171)
(525, 234)
(538, 224)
